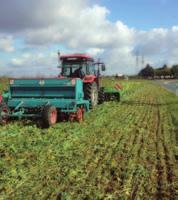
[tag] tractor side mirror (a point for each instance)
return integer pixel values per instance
(103, 67)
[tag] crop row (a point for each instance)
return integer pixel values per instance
(121, 151)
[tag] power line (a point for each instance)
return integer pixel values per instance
(140, 61)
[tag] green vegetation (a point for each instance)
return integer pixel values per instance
(165, 71)
(121, 151)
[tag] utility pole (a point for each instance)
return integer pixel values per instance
(137, 62)
(143, 61)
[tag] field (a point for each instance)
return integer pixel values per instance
(121, 151)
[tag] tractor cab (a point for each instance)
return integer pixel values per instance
(80, 66)
(84, 67)
(77, 66)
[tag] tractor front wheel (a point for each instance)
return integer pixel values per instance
(49, 116)
(4, 110)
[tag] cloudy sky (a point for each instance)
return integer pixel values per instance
(32, 31)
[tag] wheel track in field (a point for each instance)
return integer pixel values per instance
(135, 140)
(141, 158)
(163, 167)
(146, 135)
(173, 162)
(125, 143)
(160, 164)
(160, 185)
(136, 155)
(168, 166)
(124, 149)
(150, 161)
(158, 167)
(170, 169)
(141, 151)
(146, 157)
(148, 152)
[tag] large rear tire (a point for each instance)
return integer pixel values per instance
(91, 94)
(49, 116)
(101, 95)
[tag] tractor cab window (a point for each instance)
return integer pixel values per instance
(71, 70)
(70, 66)
(66, 71)
(90, 68)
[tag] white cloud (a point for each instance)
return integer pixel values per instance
(19, 15)
(28, 64)
(80, 27)
(6, 43)
(95, 52)
(158, 45)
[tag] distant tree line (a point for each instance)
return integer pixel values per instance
(162, 72)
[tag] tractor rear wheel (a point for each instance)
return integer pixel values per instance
(4, 110)
(49, 116)
(91, 94)
(101, 95)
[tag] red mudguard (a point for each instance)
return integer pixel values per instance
(89, 79)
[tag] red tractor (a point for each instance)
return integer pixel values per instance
(84, 67)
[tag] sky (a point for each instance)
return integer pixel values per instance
(116, 31)
(143, 14)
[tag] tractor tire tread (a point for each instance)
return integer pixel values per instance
(88, 87)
